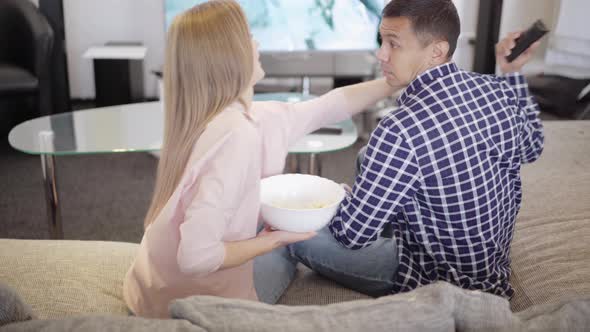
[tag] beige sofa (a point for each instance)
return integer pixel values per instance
(550, 251)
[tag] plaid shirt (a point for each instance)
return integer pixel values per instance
(444, 171)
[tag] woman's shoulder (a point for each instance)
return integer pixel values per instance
(228, 127)
(261, 108)
(232, 121)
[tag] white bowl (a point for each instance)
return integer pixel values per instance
(299, 202)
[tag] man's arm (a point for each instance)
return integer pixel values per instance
(532, 137)
(390, 177)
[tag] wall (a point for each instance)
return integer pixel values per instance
(92, 22)
(467, 10)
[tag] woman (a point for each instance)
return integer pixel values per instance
(200, 231)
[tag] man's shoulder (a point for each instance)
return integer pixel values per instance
(400, 121)
(482, 80)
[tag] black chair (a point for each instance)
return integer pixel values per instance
(26, 46)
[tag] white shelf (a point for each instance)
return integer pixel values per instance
(116, 52)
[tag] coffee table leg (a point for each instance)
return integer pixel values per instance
(315, 165)
(52, 197)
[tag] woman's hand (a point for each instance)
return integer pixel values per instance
(346, 187)
(283, 238)
(240, 252)
(504, 48)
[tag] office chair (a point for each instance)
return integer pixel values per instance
(26, 45)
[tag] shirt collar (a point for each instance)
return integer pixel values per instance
(425, 78)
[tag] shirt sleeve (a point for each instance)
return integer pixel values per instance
(390, 177)
(283, 124)
(532, 136)
(294, 120)
(219, 188)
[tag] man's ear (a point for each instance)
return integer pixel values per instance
(440, 51)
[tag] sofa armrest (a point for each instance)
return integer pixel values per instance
(67, 278)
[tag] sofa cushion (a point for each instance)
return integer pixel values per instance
(12, 307)
(437, 307)
(551, 247)
(104, 323)
(311, 288)
(65, 278)
(571, 315)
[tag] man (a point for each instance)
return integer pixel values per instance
(443, 171)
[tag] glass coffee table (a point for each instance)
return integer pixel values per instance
(118, 129)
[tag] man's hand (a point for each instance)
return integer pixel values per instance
(283, 238)
(504, 48)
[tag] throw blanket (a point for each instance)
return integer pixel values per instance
(437, 307)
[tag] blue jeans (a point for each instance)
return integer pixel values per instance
(273, 272)
(370, 270)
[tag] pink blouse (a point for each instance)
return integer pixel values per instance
(217, 201)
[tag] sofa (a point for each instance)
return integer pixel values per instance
(26, 48)
(550, 250)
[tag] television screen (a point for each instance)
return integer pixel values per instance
(305, 25)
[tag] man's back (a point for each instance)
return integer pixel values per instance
(444, 171)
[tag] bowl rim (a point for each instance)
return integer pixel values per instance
(337, 202)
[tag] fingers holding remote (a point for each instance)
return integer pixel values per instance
(504, 48)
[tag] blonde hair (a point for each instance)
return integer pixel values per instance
(208, 66)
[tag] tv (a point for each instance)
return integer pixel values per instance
(309, 37)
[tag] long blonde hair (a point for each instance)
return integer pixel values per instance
(208, 66)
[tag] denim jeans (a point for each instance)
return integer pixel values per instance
(370, 270)
(273, 272)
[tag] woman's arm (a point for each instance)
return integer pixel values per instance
(220, 186)
(283, 124)
(240, 252)
(334, 106)
(358, 97)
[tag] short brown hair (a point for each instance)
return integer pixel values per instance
(430, 19)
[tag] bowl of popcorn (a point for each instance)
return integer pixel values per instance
(298, 202)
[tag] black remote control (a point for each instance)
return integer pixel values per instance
(328, 131)
(534, 33)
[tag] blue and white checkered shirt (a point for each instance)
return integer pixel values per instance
(444, 171)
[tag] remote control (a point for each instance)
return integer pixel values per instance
(534, 33)
(328, 131)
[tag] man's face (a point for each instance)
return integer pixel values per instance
(401, 55)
